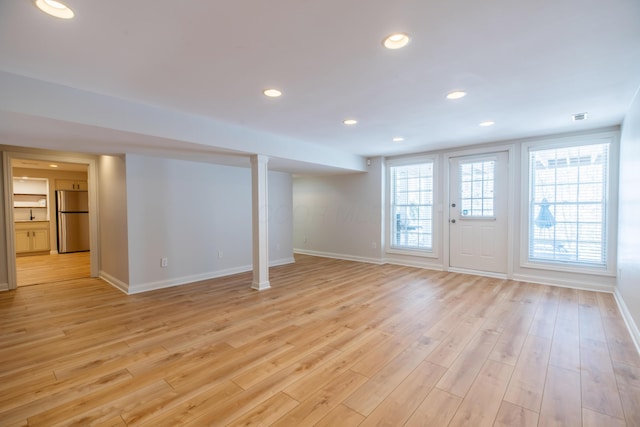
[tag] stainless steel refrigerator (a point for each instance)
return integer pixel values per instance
(72, 208)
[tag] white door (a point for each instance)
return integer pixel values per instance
(478, 212)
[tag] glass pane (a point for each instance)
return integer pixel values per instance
(487, 207)
(465, 207)
(568, 188)
(477, 188)
(412, 199)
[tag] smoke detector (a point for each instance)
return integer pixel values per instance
(579, 116)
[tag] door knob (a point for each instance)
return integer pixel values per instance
(453, 221)
(453, 205)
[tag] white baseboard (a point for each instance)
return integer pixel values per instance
(339, 256)
(563, 283)
(282, 261)
(414, 262)
(185, 280)
(628, 319)
(116, 283)
(542, 280)
(4, 287)
(261, 286)
(478, 273)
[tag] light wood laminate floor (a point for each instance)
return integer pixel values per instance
(39, 269)
(333, 343)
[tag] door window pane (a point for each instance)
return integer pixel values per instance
(477, 188)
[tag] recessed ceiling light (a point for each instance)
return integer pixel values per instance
(398, 139)
(395, 41)
(53, 166)
(55, 8)
(456, 94)
(579, 116)
(349, 121)
(272, 93)
(487, 123)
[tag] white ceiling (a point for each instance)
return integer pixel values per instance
(525, 65)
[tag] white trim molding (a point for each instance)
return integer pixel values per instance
(92, 178)
(344, 257)
(478, 273)
(387, 225)
(282, 261)
(611, 137)
(628, 319)
(187, 280)
(418, 262)
(564, 283)
(116, 283)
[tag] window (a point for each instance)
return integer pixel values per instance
(476, 188)
(568, 204)
(412, 206)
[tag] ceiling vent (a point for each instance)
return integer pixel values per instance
(579, 116)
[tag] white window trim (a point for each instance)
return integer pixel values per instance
(435, 236)
(612, 138)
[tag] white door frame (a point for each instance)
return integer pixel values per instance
(92, 183)
(511, 185)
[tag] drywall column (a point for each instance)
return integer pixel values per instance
(259, 208)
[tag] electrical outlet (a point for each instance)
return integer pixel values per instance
(164, 262)
(305, 239)
(220, 254)
(374, 245)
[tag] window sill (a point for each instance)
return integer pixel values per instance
(568, 268)
(412, 252)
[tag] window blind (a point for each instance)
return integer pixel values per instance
(412, 206)
(568, 204)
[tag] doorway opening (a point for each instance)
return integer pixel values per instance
(51, 245)
(50, 268)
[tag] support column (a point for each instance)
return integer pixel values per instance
(259, 208)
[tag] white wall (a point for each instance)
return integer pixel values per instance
(197, 215)
(112, 194)
(280, 218)
(628, 285)
(340, 215)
